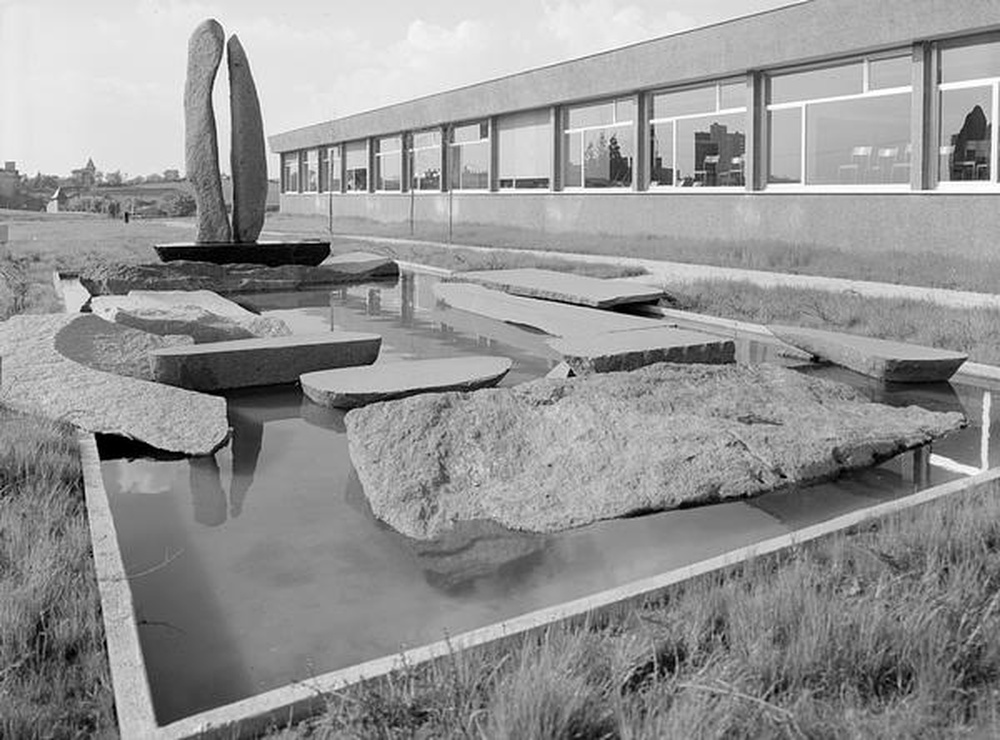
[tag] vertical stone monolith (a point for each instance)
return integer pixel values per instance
(248, 157)
(201, 146)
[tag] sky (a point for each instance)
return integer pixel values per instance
(105, 78)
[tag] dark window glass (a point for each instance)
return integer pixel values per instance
(710, 150)
(785, 128)
(335, 170)
(861, 141)
(324, 170)
(829, 82)
(356, 165)
(661, 152)
(965, 145)
(573, 160)
(970, 62)
(894, 72)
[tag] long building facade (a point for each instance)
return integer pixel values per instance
(856, 125)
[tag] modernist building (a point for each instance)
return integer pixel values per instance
(849, 124)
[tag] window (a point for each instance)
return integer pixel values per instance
(847, 124)
(389, 163)
(290, 172)
(698, 136)
(324, 169)
(598, 146)
(469, 157)
(356, 166)
(336, 169)
(525, 150)
(310, 173)
(968, 79)
(424, 152)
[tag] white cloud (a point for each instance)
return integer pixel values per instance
(586, 26)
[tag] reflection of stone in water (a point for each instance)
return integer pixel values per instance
(248, 435)
(322, 416)
(407, 297)
(207, 497)
(476, 550)
(373, 302)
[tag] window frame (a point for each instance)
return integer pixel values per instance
(289, 166)
(481, 141)
(380, 156)
(565, 130)
(410, 150)
(348, 170)
(867, 93)
(549, 162)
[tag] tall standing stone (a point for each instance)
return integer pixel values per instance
(201, 146)
(248, 157)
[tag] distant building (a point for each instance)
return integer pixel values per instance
(86, 176)
(171, 175)
(838, 124)
(9, 180)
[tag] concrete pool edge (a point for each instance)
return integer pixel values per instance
(298, 701)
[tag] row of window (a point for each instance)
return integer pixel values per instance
(842, 124)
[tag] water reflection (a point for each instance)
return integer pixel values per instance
(208, 497)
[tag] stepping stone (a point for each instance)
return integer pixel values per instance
(241, 363)
(363, 265)
(349, 388)
(564, 287)
(628, 350)
(557, 319)
(877, 358)
(55, 365)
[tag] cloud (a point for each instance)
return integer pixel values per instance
(586, 26)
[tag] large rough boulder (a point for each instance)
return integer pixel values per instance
(247, 155)
(201, 146)
(120, 278)
(202, 315)
(553, 454)
(39, 379)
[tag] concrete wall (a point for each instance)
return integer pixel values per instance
(956, 224)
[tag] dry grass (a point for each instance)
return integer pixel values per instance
(54, 677)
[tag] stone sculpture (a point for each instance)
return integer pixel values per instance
(201, 147)
(248, 157)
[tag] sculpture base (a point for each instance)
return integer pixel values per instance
(269, 253)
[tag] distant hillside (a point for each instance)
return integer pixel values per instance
(159, 190)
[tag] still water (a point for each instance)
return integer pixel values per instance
(263, 565)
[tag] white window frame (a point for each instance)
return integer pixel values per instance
(719, 111)
(867, 92)
(970, 186)
(616, 124)
(478, 142)
(411, 152)
(305, 170)
(381, 155)
(289, 165)
(367, 168)
(552, 123)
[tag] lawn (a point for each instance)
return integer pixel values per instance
(885, 631)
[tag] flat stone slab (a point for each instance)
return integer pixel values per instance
(549, 455)
(120, 278)
(363, 264)
(348, 388)
(877, 358)
(628, 350)
(200, 314)
(557, 319)
(269, 253)
(40, 379)
(267, 361)
(564, 287)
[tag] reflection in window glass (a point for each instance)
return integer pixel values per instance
(607, 157)
(324, 170)
(525, 150)
(661, 171)
(583, 116)
(335, 170)
(573, 159)
(886, 73)
(970, 62)
(705, 150)
(356, 166)
(600, 152)
(469, 157)
(965, 144)
(389, 163)
(785, 127)
(846, 79)
(312, 171)
(425, 160)
(860, 141)
(290, 172)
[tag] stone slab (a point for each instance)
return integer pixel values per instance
(363, 264)
(120, 278)
(39, 379)
(549, 455)
(557, 319)
(628, 350)
(269, 253)
(200, 314)
(564, 287)
(348, 388)
(243, 363)
(878, 358)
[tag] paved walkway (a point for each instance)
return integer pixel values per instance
(680, 272)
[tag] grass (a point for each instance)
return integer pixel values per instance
(975, 331)
(54, 676)
(884, 631)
